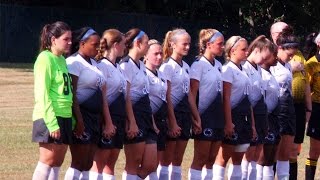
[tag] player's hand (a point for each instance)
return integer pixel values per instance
(109, 131)
(174, 130)
(132, 130)
(79, 130)
(55, 134)
(229, 130)
(196, 126)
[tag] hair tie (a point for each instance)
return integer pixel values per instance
(88, 34)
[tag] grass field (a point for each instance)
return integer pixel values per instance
(18, 154)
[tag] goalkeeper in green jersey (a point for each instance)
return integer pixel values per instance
(52, 123)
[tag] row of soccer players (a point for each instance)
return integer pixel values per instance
(96, 106)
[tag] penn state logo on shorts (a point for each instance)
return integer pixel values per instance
(140, 133)
(85, 136)
(234, 136)
(106, 141)
(208, 132)
(270, 137)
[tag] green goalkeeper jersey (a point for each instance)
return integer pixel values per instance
(52, 89)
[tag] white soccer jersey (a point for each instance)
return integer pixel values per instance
(116, 84)
(272, 90)
(210, 81)
(179, 79)
(257, 89)
(136, 75)
(157, 89)
(283, 75)
(90, 78)
(240, 82)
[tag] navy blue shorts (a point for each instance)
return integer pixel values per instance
(261, 122)
(212, 122)
(143, 115)
(273, 136)
(183, 116)
(287, 117)
(91, 111)
(118, 116)
(160, 118)
(241, 118)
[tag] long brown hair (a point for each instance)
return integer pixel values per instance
(109, 37)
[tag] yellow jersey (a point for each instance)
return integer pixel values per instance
(299, 80)
(313, 74)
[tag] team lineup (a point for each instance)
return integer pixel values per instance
(97, 95)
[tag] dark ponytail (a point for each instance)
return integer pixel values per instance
(52, 30)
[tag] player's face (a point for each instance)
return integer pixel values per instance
(154, 55)
(240, 52)
(285, 55)
(63, 43)
(262, 56)
(217, 46)
(182, 44)
(144, 45)
(90, 46)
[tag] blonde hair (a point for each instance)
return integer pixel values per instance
(231, 43)
(204, 37)
(150, 43)
(109, 37)
(171, 37)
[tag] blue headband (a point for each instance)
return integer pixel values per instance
(139, 36)
(87, 34)
(215, 36)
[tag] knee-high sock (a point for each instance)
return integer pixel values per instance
(293, 169)
(126, 176)
(54, 173)
(194, 174)
(244, 169)
(283, 170)
(72, 173)
(252, 171)
(42, 171)
(234, 172)
(206, 174)
(218, 172)
(259, 172)
(268, 173)
(163, 172)
(176, 173)
(310, 171)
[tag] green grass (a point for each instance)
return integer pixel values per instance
(18, 154)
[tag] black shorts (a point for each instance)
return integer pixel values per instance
(160, 118)
(41, 134)
(212, 122)
(241, 118)
(273, 136)
(143, 116)
(91, 111)
(261, 122)
(313, 129)
(287, 117)
(300, 110)
(118, 116)
(183, 117)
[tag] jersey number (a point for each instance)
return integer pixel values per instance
(66, 89)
